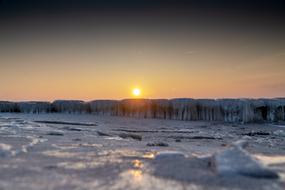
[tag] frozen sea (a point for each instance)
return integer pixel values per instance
(84, 151)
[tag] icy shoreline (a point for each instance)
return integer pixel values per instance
(64, 151)
(227, 110)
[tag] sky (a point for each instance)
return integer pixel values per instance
(102, 49)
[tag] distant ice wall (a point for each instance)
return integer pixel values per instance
(69, 106)
(228, 110)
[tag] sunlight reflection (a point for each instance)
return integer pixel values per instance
(137, 164)
(149, 155)
(137, 174)
(276, 161)
(269, 160)
(60, 154)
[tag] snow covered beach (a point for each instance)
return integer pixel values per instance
(87, 151)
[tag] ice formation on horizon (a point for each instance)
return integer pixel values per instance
(228, 110)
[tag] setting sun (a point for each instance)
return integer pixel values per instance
(136, 92)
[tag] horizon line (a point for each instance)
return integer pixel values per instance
(225, 98)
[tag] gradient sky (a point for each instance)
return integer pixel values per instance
(101, 49)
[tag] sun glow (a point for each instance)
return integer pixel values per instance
(136, 92)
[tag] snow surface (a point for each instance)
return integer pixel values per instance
(85, 151)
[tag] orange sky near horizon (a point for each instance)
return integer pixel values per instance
(55, 49)
(158, 72)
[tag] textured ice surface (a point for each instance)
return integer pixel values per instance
(33, 156)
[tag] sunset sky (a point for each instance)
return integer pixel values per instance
(103, 49)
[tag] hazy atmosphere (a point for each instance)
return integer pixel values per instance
(59, 49)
